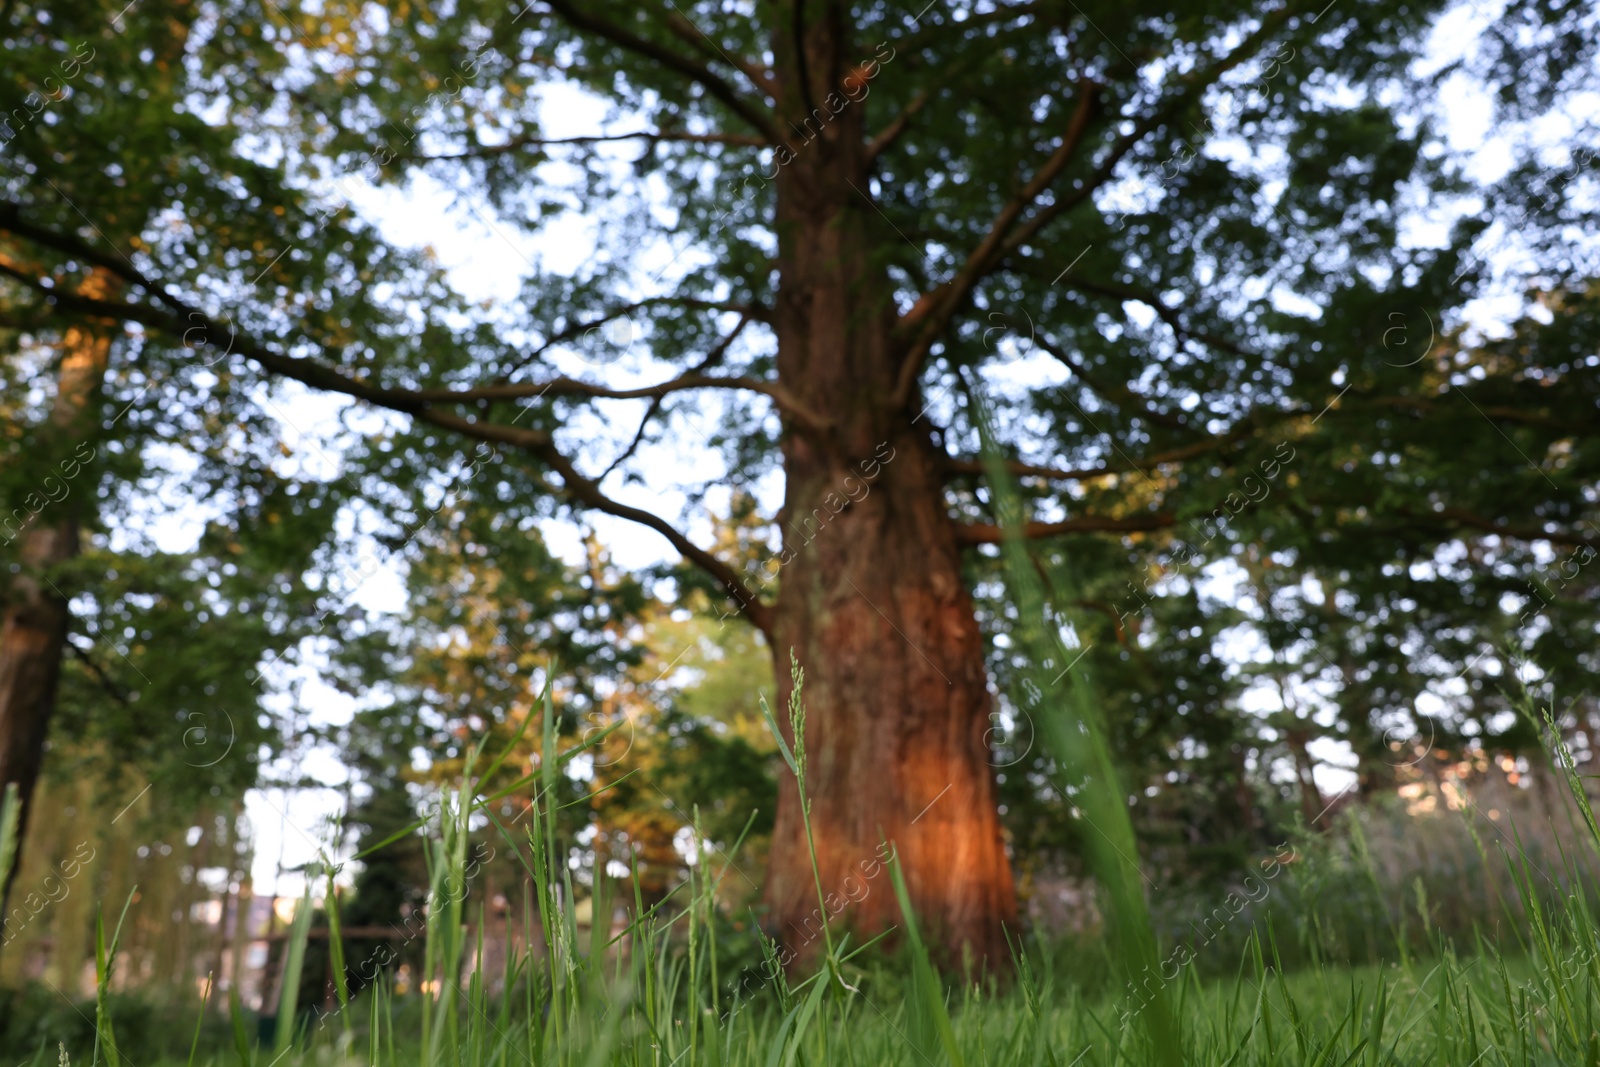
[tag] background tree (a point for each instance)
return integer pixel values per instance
(113, 432)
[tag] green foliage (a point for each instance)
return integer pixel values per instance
(35, 1017)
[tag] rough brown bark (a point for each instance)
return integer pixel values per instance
(897, 704)
(872, 599)
(33, 629)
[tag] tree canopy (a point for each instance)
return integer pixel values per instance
(1214, 264)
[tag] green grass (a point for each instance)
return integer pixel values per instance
(653, 996)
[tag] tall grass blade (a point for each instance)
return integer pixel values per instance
(1076, 738)
(105, 962)
(205, 998)
(930, 1014)
(241, 1033)
(293, 963)
(10, 816)
(341, 983)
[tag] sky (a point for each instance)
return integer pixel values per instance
(488, 258)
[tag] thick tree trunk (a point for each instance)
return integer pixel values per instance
(33, 629)
(875, 610)
(872, 599)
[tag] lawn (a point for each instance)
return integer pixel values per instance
(655, 990)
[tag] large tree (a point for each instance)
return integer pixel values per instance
(822, 223)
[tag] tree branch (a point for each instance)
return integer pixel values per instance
(185, 322)
(802, 67)
(1197, 83)
(712, 358)
(1153, 301)
(707, 79)
(589, 493)
(574, 387)
(935, 308)
(1116, 394)
(1448, 519)
(988, 534)
(99, 674)
(517, 144)
(1029, 470)
(951, 78)
(897, 126)
(999, 13)
(1430, 405)
(1214, 443)
(583, 326)
(936, 312)
(689, 33)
